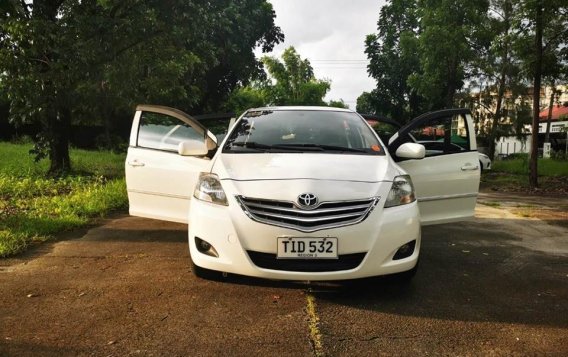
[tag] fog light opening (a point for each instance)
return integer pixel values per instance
(405, 251)
(206, 247)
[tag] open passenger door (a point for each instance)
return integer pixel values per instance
(167, 151)
(447, 178)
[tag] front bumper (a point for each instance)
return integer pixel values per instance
(249, 248)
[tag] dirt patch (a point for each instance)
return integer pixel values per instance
(552, 209)
(558, 216)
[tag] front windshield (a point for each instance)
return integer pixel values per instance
(314, 131)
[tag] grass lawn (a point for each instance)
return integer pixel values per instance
(546, 167)
(34, 208)
(512, 175)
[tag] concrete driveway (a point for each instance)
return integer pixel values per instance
(497, 285)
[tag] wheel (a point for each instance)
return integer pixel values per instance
(480, 166)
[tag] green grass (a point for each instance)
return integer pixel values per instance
(512, 175)
(34, 208)
(546, 167)
(16, 161)
(513, 182)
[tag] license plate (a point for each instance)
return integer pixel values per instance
(307, 248)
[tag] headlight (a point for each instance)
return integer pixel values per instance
(209, 189)
(401, 193)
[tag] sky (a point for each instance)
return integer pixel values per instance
(331, 35)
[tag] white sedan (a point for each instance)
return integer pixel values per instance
(300, 193)
(484, 162)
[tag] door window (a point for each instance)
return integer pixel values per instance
(443, 135)
(163, 132)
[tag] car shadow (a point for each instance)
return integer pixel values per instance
(483, 270)
(469, 271)
(484, 275)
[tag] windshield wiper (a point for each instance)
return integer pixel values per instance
(321, 147)
(263, 147)
(251, 145)
(292, 147)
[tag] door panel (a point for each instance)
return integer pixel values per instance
(160, 184)
(447, 179)
(445, 192)
(159, 181)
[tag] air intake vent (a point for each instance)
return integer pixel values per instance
(324, 216)
(269, 261)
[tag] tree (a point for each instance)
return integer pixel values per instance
(290, 81)
(366, 103)
(295, 83)
(392, 56)
(243, 98)
(553, 94)
(337, 104)
(452, 36)
(64, 60)
(498, 64)
(545, 24)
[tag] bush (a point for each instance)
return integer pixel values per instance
(559, 155)
(517, 156)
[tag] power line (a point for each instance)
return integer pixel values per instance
(318, 67)
(339, 60)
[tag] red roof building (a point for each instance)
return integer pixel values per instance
(559, 112)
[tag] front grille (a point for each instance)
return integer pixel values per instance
(325, 215)
(269, 261)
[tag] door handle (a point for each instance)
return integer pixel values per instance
(136, 163)
(469, 167)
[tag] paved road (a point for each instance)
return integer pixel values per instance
(497, 285)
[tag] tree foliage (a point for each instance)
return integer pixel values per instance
(392, 56)
(295, 83)
(289, 81)
(543, 24)
(337, 104)
(451, 37)
(64, 61)
(366, 103)
(484, 54)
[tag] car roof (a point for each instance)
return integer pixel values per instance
(306, 107)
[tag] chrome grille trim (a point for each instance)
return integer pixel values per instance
(325, 215)
(315, 211)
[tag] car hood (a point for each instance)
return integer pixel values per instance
(289, 166)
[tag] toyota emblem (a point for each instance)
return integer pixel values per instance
(307, 200)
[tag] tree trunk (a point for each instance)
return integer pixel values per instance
(507, 11)
(497, 114)
(549, 119)
(58, 117)
(451, 89)
(107, 120)
(504, 70)
(59, 127)
(533, 165)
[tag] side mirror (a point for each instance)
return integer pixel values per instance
(411, 151)
(192, 148)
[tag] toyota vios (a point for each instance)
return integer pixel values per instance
(301, 193)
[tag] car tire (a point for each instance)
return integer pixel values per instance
(480, 166)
